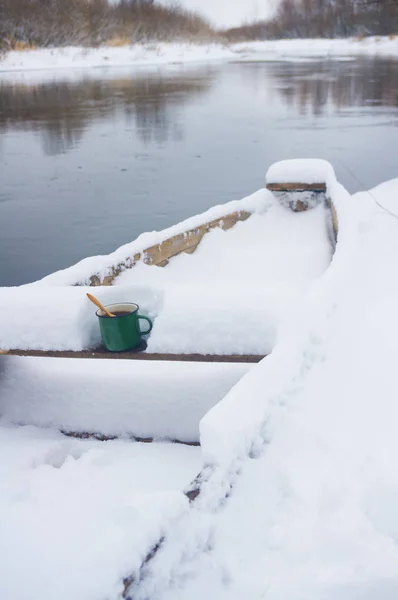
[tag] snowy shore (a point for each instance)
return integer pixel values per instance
(154, 54)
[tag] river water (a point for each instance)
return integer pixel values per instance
(90, 159)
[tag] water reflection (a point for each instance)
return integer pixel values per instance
(61, 111)
(317, 88)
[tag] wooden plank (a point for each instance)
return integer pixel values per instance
(189, 240)
(191, 250)
(101, 437)
(95, 280)
(157, 255)
(102, 354)
(296, 187)
(335, 220)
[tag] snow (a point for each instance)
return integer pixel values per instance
(135, 55)
(257, 269)
(161, 54)
(113, 397)
(77, 516)
(60, 318)
(302, 492)
(301, 170)
(317, 49)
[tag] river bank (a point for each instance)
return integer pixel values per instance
(154, 54)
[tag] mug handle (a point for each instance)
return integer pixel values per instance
(148, 321)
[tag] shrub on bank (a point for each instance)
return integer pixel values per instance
(47, 23)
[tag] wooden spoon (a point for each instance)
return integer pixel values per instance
(98, 303)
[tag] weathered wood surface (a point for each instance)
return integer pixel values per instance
(101, 437)
(296, 187)
(160, 254)
(335, 220)
(102, 354)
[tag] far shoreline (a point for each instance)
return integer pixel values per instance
(153, 54)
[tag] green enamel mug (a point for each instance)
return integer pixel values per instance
(122, 332)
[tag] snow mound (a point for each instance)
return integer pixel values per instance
(61, 318)
(114, 397)
(301, 170)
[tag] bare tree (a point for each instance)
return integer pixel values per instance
(92, 22)
(324, 18)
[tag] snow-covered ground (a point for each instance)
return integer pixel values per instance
(135, 55)
(297, 50)
(142, 55)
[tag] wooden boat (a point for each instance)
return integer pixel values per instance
(104, 378)
(141, 396)
(297, 196)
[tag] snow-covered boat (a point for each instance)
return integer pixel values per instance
(230, 279)
(228, 276)
(297, 490)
